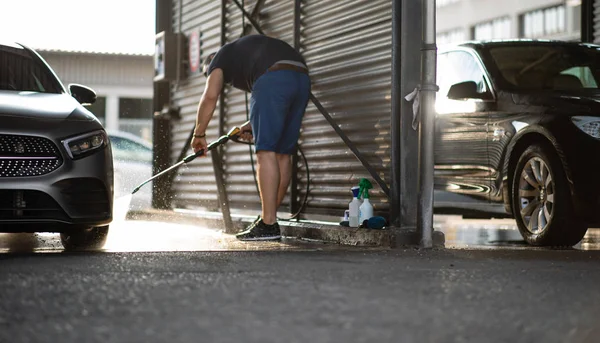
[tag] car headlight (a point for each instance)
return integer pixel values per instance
(589, 125)
(81, 146)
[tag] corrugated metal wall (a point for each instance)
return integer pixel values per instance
(347, 45)
(194, 185)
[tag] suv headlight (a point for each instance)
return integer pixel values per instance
(589, 125)
(84, 145)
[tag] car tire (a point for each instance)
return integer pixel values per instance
(541, 200)
(84, 239)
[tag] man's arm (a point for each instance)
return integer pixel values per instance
(206, 108)
(208, 102)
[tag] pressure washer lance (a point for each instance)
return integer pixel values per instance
(232, 134)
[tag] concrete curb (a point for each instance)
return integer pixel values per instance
(326, 232)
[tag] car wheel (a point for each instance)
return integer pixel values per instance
(85, 238)
(542, 200)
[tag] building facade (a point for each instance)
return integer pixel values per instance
(460, 20)
(123, 84)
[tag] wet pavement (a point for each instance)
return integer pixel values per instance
(172, 282)
(161, 235)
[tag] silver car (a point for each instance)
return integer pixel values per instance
(56, 166)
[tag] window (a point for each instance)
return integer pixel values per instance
(443, 3)
(127, 150)
(584, 74)
(98, 108)
(456, 67)
(543, 22)
(451, 36)
(493, 29)
(459, 66)
(135, 108)
(21, 71)
(546, 67)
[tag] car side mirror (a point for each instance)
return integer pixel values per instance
(84, 95)
(464, 90)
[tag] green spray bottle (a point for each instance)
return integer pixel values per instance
(365, 210)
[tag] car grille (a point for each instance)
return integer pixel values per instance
(18, 204)
(22, 156)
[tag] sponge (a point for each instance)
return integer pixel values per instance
(376, 222)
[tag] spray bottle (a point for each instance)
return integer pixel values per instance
(354, 208)
(366, 209)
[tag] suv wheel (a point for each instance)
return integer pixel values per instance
(84, 238)
(542, 200)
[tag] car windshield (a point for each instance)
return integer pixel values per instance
(22, 71)
(546, 67)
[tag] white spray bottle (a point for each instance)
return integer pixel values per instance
(353, 208)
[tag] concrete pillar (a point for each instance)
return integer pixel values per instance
(112, 112)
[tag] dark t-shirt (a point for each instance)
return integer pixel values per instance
(246, 59)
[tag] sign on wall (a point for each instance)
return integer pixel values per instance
(194, 52)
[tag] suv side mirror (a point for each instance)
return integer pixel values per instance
(83, 94)
(464, 90)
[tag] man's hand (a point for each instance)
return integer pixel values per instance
(246, 133)
(199, 144)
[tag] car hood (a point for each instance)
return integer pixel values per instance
(48, 106)
(561, 102)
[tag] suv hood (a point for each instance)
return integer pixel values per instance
(48, 106)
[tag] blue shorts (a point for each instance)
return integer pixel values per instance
(277, 105)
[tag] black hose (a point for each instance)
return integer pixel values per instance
(305, 199)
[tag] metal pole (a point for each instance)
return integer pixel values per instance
(427, 127)
(410, 77)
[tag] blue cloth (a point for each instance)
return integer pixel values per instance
(277, 106)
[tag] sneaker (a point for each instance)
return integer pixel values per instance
(259, 231)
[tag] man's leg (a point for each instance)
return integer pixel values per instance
(285, 175)
(268, 183)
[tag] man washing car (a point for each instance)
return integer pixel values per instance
(277, 77)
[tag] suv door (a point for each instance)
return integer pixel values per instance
(462, 173)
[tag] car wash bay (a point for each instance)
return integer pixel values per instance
(172, 276)
(356, 125)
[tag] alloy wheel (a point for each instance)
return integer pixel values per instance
(536, 195)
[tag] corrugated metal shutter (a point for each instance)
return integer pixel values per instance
(348, 48)
(194, 184)
(596, 21)
(276, 19)
(347, 45)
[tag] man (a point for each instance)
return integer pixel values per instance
(277, 77)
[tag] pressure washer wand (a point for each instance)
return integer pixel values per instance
(222, 140)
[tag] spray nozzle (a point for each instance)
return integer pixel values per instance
(355, 191)
(364, 186)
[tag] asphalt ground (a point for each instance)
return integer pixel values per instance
(166, 282)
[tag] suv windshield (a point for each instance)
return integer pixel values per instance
(22, 71)
(546, 67)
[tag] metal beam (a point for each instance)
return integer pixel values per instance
(161, 129)
(406, 44)
(255, 12)
(294, 182)
(329, 119)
